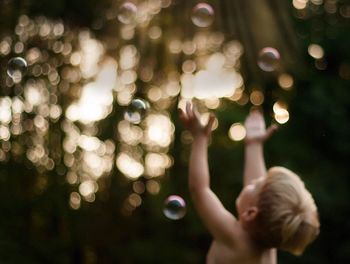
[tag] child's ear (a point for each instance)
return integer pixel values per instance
(250, 214)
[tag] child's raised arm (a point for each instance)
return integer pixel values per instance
(215, 217)
(254, 165)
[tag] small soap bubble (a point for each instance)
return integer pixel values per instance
(268, 59)
(202, 15)
(136, 111)
(16, 68)
(174, 207)
(127, 13)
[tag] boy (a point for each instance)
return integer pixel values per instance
(274, 208)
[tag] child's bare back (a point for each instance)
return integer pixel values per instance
(220, 253)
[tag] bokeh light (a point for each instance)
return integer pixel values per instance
(281, 113)
(237, 132)
(315, 51)
(286, 81)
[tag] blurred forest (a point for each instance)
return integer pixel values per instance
(82, 183)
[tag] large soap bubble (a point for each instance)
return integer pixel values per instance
(268, 59)
(202, 15)
(174, 207)
(127, 13)
(16, 68)
(136, 111)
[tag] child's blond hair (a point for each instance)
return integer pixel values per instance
(287, 215)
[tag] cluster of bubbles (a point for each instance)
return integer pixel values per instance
(174, 207)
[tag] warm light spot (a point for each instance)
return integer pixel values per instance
(138, 187)
(237, 94)
(172, 88)
(91, 52)
(154, 93)
(32, 94)
(189, 66)
(128, 57)
(129, 133)
(156, 163)
(72, 177)
(208, 84)
(233, 50)
(317, 2)
(155, 32)
(282, 116)
(285, 81)
(279, 105)
(96, 98)
(129, 166)
(75, 200)
(55, 111)
(315, 51)
(75, 58)
(146, 74)
(4, 133)
(300, 4)
(127, 32)
(257, 97)
(153, 187)
(88, 187)
(5, 47)
(243, 99)
(159, 130)
(175, 46)
(188, 47)
(280, 112)
(237, 132)
(135, 200)
(215, 62)
(212, 103)
(5, 110)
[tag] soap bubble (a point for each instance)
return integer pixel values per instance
(136, 111)
(16, 68)
(202, 15)
(268, 59)
(174, 207)
(127, 13)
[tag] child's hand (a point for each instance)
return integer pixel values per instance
(256, 129)
(191, 120)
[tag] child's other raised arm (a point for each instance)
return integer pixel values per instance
(254, 165)
(215, 217)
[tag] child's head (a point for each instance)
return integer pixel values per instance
(279, 212)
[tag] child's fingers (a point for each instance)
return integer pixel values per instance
(270, 131)
(195, 112)
(189, 110)
(211, 120)
(182, 115)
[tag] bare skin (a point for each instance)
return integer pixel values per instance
(231, 240)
